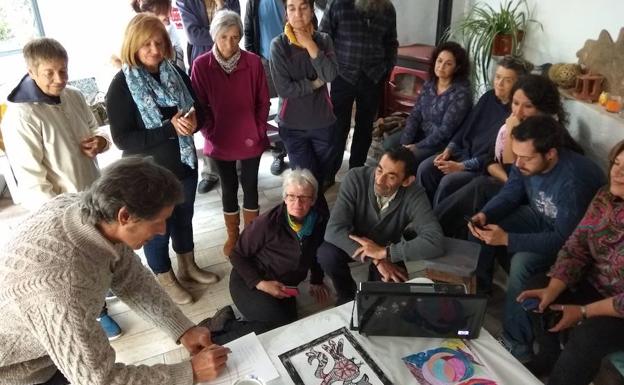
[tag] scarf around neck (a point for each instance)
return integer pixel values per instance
(171, 91)
(228, 65)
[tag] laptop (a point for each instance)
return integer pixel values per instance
(417, 310)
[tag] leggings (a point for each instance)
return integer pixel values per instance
(229, 183)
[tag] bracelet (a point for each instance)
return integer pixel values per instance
(584, 312)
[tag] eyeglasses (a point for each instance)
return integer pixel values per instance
(301, 198)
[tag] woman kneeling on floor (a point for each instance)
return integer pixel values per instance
(272, 256)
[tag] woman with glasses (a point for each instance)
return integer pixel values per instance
(271, 258)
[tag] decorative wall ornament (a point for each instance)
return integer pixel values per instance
(605, 57)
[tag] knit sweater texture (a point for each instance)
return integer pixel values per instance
(54, 274)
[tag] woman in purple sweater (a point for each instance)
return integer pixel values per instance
(232, 88)
(586, 289)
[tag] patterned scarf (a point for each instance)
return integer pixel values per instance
(303, 229)
(149, 94)
(228, 65)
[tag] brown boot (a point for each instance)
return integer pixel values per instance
(249, 216)
(171, 285)
(189, 271)
(232, 223)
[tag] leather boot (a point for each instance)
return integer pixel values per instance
(189, 271)
(232, 223)
(249, 216)
(171, 285)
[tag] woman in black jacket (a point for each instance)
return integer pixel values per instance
(272, 257)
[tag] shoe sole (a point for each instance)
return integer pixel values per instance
(116, 337)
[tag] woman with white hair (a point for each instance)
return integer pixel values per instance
(231, 86)
(271, 258)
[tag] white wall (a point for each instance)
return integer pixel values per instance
(567, 25)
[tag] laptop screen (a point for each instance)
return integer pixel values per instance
(413, 313)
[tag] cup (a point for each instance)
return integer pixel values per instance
(248, 380)
(614, 104)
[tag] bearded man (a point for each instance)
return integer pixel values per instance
(527, 222)
(382, 216)
(365, 42)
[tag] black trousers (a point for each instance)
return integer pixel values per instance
(261, 311)
(57, 379)
(585, 344)
(366, 94)
(229, 183)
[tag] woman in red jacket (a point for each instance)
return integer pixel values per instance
(231, 86)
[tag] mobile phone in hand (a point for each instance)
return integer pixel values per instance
(475, 224)
(530, 304)
(292, 291)
(189, 112)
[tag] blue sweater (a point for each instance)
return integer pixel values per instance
(435, 118)
(561, 196)
(477, 135)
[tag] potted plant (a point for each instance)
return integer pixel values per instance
(488, 32)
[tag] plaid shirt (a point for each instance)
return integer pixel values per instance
(363, 42)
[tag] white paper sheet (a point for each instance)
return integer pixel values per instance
(248, 358)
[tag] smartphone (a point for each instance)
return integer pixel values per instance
(530, 304)
(189, 112)
(550, 318)
(292, 291)
(475, 224)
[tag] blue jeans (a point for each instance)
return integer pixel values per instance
(311, 149)
(179, 229)
(517, 330)
(439, 186)
(517, 327)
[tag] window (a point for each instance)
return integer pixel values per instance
(20, 21)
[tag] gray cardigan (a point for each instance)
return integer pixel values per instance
(293, 70)
(408, 226)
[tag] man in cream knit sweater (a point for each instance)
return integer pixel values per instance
(54, 273)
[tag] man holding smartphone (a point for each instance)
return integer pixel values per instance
(527, 222)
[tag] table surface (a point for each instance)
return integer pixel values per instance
(388, 351)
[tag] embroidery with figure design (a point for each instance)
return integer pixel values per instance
(545, 205)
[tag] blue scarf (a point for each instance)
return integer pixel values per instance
(308, 224)
(149, 94)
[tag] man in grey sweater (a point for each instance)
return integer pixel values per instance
(380, 214)
(56, 269)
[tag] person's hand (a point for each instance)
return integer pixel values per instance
(317, 83)
(220, 4)
(208, 363)
(196, 339)
(449, 166)
(546, 296)
(444, 155)
(184, 126)
(304, 37)
(391, 272)
(511, 123)
(572, 315)
(92, 146)
(367, 248)
(273, 288)
(411, 147)
(492, 235)
(319, 292)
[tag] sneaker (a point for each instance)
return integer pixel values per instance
(110, 295)
(207, 184)
(111, 328)
(278, 165)
(217, 322)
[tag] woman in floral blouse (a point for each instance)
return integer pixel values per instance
(586, 287)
